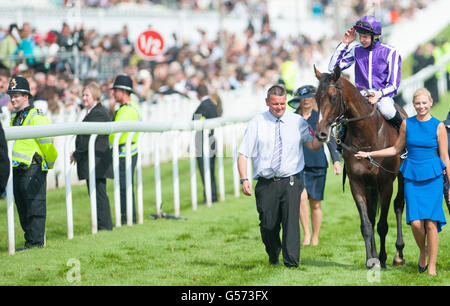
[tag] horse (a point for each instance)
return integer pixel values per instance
(340, 102)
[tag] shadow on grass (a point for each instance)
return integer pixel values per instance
(323, 263)
(242, 266)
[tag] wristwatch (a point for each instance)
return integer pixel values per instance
(243, 180)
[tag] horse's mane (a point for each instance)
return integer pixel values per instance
(325, 81)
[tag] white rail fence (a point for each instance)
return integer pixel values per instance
(178, 132)
(409, 85)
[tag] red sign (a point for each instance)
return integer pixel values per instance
(149, 44)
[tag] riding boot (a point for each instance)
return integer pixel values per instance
(341, 136)
(396, 121)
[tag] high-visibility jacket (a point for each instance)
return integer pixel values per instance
(289, 75)
(24, 150)
(127, 112)
(438, 53)
(446, 50)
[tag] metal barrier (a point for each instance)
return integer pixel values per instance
(221, 125)
(409, 85)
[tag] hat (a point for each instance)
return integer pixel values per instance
(307, 91)
(124, 82)
(18, 84)
(368, 25)
(50, 37)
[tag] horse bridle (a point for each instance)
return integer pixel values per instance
(342, 120)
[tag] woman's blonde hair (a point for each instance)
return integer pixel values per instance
(422, 92)
(95, 90)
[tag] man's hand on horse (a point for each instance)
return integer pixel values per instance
(349, 36)
(374, 97)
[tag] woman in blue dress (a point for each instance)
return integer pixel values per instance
(425, 138)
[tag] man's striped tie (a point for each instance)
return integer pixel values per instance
(276, 158)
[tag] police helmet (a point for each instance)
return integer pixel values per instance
(307, 91)
(18, 84)
(368, 25)
(124, 82)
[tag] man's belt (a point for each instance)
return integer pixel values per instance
(279, 178)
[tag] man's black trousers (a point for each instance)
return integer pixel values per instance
(213, 176)
(104, 220)
(30, 190)
(123, 187)
(278, 204)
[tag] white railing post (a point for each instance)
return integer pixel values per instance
(192, 168)
(68, 185)
(10, 205)
(176, 185)
(129, 178)
(116, 179)
(236, 183)
(219, 154)
(158, 194)
(92, 187)
(140, 197)
(206, 167)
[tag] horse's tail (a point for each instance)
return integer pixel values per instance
(344, 172)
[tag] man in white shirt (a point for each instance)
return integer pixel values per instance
(273, 140)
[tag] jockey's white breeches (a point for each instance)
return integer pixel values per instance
(386, 107)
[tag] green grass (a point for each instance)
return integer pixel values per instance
(218, 245)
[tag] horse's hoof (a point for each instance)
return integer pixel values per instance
(372, 263)
(397, 262)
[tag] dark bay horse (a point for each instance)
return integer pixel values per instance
(340, 102)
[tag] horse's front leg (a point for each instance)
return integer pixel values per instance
(367, 227)
(399, 204)
(382, 227)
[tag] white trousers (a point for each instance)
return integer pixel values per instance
(386, 107)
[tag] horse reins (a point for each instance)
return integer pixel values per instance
(341, 120)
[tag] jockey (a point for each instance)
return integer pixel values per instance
(377, 66)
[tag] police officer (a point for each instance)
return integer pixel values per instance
(31, 160)
(129, 111)
(4, 161)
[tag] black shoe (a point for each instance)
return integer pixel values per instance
(274, 261)
(21, 249)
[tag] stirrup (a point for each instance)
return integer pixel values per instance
(404, 154)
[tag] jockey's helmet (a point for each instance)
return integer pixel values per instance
(368, 25)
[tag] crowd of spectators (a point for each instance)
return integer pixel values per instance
(252, 57)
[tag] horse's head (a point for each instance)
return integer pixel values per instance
(330, 101)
